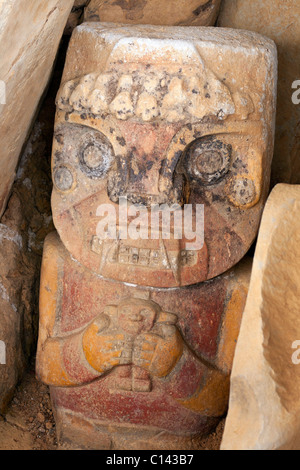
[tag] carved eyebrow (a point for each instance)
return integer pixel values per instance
(93, 93)
(107, 127)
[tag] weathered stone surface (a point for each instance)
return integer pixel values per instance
(281, 22)
(24, 226)
(30, 32)
(153, 112)
(156, 12)
(132, 365)
(264, 409)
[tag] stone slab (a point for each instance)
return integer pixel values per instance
(30, 32)
(157, 12)
(264, 408)
(279, 21)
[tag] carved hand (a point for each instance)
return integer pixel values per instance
(104, 349)
(158, 353)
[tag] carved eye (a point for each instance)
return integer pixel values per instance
(96, 155)
(208, 160)
(64, 178)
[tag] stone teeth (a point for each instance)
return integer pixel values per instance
(122, 106)
(123, 254)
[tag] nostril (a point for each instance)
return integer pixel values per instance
(172, 186)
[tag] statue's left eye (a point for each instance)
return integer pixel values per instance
(208, 160)
(96, 156)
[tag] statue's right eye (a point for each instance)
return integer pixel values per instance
(95, 155)
(63, 178)
(208, 160)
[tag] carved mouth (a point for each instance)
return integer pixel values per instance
(147, 199)
(136, 318)
(115, 252)
(174, 196)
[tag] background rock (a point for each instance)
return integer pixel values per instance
(264, 407)
(279, 21)
(30, 32)
(24, 225)
(157, 12)
(76, 16)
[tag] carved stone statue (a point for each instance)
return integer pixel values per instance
(137, 335)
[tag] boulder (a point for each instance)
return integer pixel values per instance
(24, 225)
(279, 21)
(30, 33)
(264, 407)
(157, 12)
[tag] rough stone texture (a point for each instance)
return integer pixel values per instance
(24, 225)
(23, 228)
(157, 12)
(183, 115)
(34, 29)
(281, 22)
(264, 401)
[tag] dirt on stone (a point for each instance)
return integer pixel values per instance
(29, 422)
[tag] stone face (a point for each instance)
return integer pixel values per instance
(136, 348)
(156, 12)
(264, 401)
(34, 29)
(279, 21)
(167, 123)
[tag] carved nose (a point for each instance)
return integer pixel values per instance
(122, 184)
